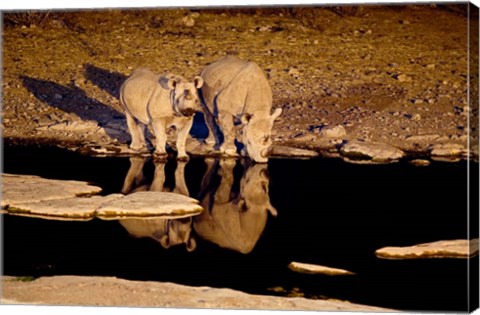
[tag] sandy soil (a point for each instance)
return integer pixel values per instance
(390, 74)
(108, 291)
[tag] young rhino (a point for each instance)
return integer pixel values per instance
(234, 90)
(160, 101)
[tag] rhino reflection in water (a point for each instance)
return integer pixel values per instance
(234, 222)
(168, 232)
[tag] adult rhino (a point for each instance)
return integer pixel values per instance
(160, 101)
(237, 90)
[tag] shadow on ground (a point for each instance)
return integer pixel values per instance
(109, 81)
(71, 99)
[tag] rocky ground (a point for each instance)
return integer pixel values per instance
(394, 75)
(379, 81)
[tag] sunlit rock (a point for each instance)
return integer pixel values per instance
(419, 162)
(150, 203)
(284, 151)
(439, 249)
(70, 208)
(333, 131)
(360, 151)
(18, 189)
(74, 126)
(317, 269)
(448, 150)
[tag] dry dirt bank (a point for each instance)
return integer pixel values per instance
(108, 291)
(390, 74)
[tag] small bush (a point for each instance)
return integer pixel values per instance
(29, 18)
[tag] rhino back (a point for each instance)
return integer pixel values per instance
(233, 78)
(141, 91)
(217, 75)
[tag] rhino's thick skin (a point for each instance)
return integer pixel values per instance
(234, 90)
(160, 101)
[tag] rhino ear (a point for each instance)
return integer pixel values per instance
(168, 83)
(198, 82)
(172, 83)
(276, 113)
(165, 242)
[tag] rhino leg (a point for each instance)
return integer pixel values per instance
(182, 138)
(159, 129)
(158, 176)
(137, 131)
(135, 174)
(180, 184)
(223, 193)
(226, 125)
(213, 137)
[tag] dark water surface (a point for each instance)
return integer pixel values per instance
(328, 212)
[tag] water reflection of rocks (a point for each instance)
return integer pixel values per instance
(234, 216)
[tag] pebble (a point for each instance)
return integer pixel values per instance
(333, 132)
(293, 71)
(404, 78)
(416, 117)
(419, 162)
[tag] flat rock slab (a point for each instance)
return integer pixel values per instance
(360, 151)
(70, 208)
(109, 291)
(20, 189)
(285, 151)
(317, 269)
(150, 203)
(448, 150)
(439, 249)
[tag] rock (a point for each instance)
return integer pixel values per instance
(110, 291)
(448, 150)
(70, 208)
(403, 78)
(293, 72)
(20, 189)
(439, 249)
(317, 269)
(76, 126)
(333, 132)
(358, 151)
(284, 151)
(421, 139)
(150, 203)
(419, 162)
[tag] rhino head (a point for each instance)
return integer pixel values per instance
(257, 135)
(178, 232)
(183, 94)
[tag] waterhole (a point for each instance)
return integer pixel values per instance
(258, 219)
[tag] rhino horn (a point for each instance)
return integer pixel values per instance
(276, 113)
